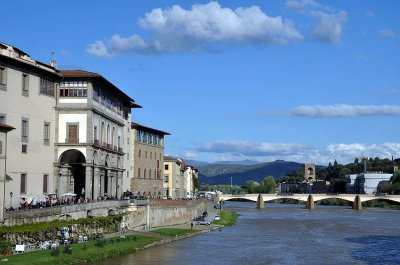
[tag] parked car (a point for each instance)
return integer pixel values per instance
(203, 222)
(217, 218)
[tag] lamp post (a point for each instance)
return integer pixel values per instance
(11, 195)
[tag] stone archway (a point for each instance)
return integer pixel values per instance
(73, 172)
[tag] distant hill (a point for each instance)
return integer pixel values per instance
(213, 174)
(197, 163)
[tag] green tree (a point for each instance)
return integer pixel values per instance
(269, 184)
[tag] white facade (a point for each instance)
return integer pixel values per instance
(27, 101)
(72, 130)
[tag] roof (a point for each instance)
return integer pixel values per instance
(92, 75)
(135, 125)
(5, 128)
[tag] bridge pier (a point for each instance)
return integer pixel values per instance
(310, 202)
(260, 202)
(357, 203)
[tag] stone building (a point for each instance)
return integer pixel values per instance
(309, 172)
(93, 137)
(147, 160)
(28, 90)
(188, 175)
(72, 129)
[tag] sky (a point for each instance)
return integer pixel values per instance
(298, 80)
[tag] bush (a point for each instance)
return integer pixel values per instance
(55, 252)
(84, 247)
(99, 243)
(5, 247)
(67, 250)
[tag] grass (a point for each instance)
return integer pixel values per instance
(83, 252)
(227, 218)
(173, 232)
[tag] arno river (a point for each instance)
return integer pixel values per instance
(287, 234)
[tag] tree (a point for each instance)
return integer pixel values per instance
(269, 184)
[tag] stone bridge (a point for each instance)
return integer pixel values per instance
(309, 199)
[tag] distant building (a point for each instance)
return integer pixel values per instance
(309, 172)
(173, 178)
(365, 183)
(189, 174)
(147, 160)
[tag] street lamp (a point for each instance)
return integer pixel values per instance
(11, 195)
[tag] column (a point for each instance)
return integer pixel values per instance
(63, 183)
(96, 183)
(102, 181)
(88, 182)
(109, 183)
(119, 186)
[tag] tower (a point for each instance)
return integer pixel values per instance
(309, 172)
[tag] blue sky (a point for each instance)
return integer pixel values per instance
(299, 80)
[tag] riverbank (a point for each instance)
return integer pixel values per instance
(114, 245)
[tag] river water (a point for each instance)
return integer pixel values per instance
(286, 234)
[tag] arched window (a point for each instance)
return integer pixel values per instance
(151, 155)
(144, 175)
(138, 173)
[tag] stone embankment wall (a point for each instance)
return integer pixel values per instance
(165, 213)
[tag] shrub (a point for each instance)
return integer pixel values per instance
(67, 250)
(55, 252)
(84, 247)
(99, 243)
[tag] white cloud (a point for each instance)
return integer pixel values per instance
(264, 152)
(177, 29)
(254, 149)
(98, 48)
(343, 110)
(387, 33)
(329, 28)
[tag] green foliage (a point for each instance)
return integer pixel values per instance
(31, 230)
(67, 250)
(55, 252)
(100, 243)
(5, 247)
(293, 177)
(172, 231)
(227, 218)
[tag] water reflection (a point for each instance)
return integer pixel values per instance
(286, 234)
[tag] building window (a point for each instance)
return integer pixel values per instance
(165, 178)
(3, 78)
(145, 155)
(24, 130)
(46, 87)
(1, 147)
(127, 156)
(73, 89)
(95, 133)
(23, 183)
(166, 167)
(24, 148)
(2, 119)
(151, 155)
(140, 153)
(72, 134)
(25, 85)
(45, 182)
(46, 133)
(138, 173)
(144, 174)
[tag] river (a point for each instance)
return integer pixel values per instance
(286, 234)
